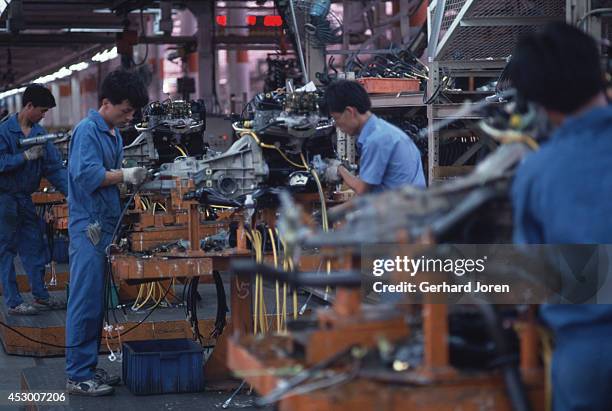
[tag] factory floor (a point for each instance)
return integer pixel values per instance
(47, 374)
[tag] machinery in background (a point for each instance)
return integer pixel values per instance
(393, 355)
(169, 129)
(279, 71)
(281, 135)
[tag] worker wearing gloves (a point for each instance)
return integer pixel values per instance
(559, 196)
(94, 171)
(20, 172)
(388, 157)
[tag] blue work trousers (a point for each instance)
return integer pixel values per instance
(84, 319)
(582, 374)
(20, 234)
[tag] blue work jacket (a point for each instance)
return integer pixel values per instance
(562, 194)
(93, 152)
(18, 176)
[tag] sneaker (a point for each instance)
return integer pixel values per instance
(50, 303)
(23, 309)
(90, 388)
(106, 378)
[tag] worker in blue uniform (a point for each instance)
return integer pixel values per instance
(562, 195)
(94, 171)
(20, 172)
(388, 158)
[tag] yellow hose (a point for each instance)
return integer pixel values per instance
(277, 286)
(324, 217)
(272, 147)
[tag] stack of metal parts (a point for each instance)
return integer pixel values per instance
(402, 64)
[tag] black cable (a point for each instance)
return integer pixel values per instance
(194, 307)
(437, 92)
(109, 271)
(512, 377)
(222, 309)
(144, 32)
(91, 339)
(41, 342)
(109, 276)
(148, 314)
(183, 298)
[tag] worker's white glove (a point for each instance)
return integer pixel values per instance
(332, 175)
(34, 153)
(134, 175)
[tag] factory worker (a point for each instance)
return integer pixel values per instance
(21, 169)
(94, 171)
(560, 196)
(388, 157)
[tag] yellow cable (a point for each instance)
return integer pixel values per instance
(240, 129)
(272, 147)
(146, 299)
(287, 266)
(157, 286)
(138, 296)
(284, 316)
(263, 313)
(277, 287)
(180, 150)
(162, 206)
(250, 238)
(295, 301)
(324, 218)
(509, 136)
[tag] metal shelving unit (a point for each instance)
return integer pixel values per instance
(474, 38)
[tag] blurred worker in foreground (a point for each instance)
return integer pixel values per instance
(388, 157)
(562, 195)
(94, 171)
(20, 172)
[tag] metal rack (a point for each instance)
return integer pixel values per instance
(474, 38)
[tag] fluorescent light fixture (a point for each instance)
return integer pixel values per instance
(11, 92)
(91, 30)
(137, 11)
(79, 66)
(105, 55)
(59, 74)
(3, 5)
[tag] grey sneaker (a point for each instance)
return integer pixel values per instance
(23, 309)
(90, 388)
(105, 378)
(49, 304)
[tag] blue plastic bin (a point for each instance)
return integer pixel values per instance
(163, 366)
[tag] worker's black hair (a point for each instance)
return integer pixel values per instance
(558, 67)
(121, 85)
(38, 95)
(341, 94)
